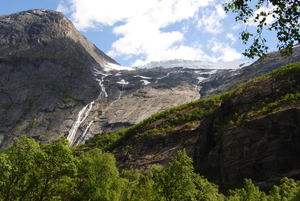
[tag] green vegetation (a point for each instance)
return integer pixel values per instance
(287, 99)
(30, 171)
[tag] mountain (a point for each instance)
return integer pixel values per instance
(54, 82)
(250, 132)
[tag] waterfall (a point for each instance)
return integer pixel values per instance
(100, 81)
(82, 136)
(120, 95)
(75, 139)
(80, 118)
(102, 88)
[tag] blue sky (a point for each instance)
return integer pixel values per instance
(136, 32)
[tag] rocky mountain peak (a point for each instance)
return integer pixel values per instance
(24, 33)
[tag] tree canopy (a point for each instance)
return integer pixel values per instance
(281, 16)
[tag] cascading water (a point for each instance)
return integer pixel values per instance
(84, 112)
(103, 92)
(122, 82)
(82, 136)
(72, 133)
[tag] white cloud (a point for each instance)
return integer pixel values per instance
(85, 13)
(223, 51)
(210, 21)
(231, 37)
(142, 27)
(237, 26)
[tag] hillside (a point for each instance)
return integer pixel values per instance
(250, 132)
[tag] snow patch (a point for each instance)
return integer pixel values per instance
(200, 79)
(123, 82)
(145, 82)
(111, 66)
(98, 72)
(147, 78)
(207, 72)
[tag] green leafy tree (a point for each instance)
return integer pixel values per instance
(139, 187)
(177, 181)
(98, 177)
(289, 190)
(285, 15)
(54, 172)
(33, 172)
(206, 191)
(17, 166)
(249, 192)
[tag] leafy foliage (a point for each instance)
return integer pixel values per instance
(177, 181)
(284, 15)
(30, 171)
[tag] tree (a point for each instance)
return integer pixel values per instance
(285, 22)
(30, 171)
(288, 190)
(54, 172)
(16, 166)
(98, 177)
(178, 181)
(138, 186)
(249, 192)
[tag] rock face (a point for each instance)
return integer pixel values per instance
(264, 147)
(46, 75)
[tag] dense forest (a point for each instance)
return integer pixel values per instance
(32, 171)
